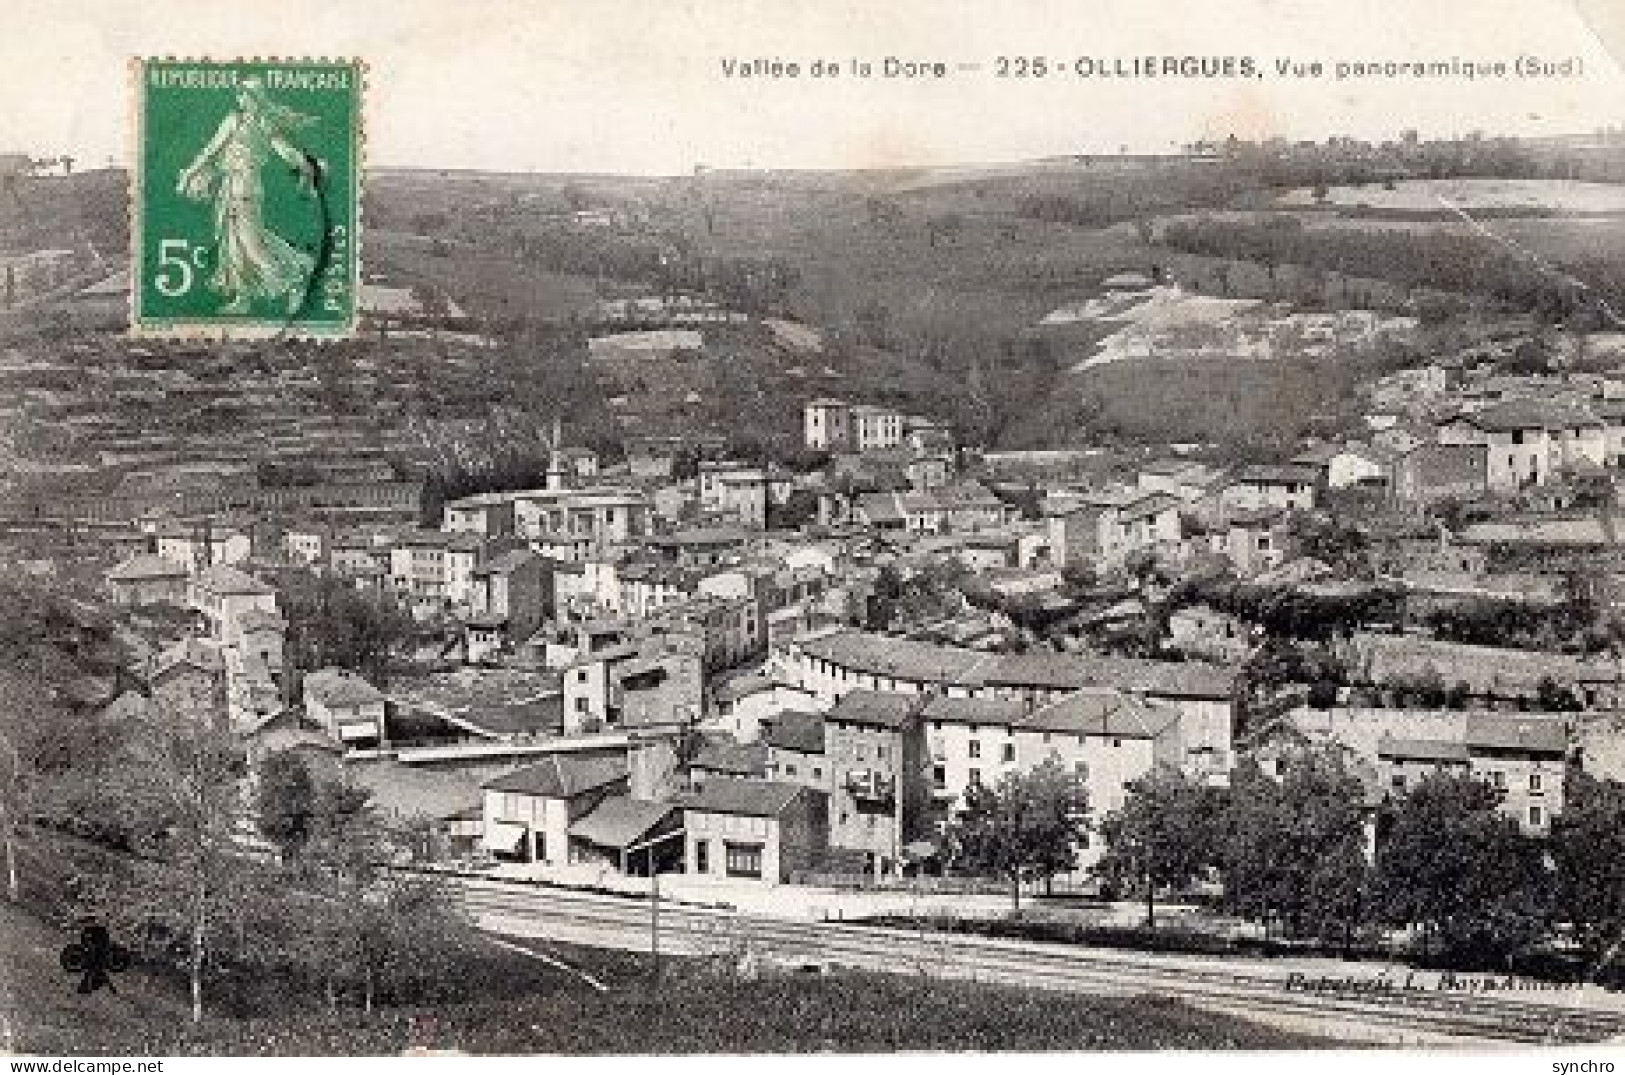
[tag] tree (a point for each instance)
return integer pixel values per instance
(192, 883)
(1026, 828)
(343, 863)
(331, 623)
(294, 806)
(285, 801)
(1163, 837)
(1450, 862)
(1332, 542)
(1588, 851)
(1294, 848)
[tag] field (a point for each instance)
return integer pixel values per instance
(929, 284)
(1495, 195)
(532, 1008)
(486, 283)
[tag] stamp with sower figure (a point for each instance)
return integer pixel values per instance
(246, 198)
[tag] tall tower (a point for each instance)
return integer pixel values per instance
(555, 459)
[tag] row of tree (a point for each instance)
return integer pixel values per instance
(1310, 852)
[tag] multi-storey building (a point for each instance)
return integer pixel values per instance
(879, 803)
(828, 425)
(1529, 441)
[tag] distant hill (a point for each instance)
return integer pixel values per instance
(77, 212)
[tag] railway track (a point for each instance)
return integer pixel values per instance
(625, 923)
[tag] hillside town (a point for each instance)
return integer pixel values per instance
(1213, 609)
(588, 677)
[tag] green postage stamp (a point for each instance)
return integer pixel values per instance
(246, 198)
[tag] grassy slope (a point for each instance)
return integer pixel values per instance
(540, 1011)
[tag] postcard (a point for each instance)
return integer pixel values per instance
(732, 529)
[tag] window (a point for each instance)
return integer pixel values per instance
(818, 774)
(1116, 743)
(1399, 781)
(880, 752)
(581, 705)
(1534, 784)
(1009, 752)
(939, 775)
(702, 856)
(975, 748)
(1499, 779)
(789, 770)
(1536, 815)
(743, 860)
(975, 776)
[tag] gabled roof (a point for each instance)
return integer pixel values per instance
(1446, 750)
(335, 686)
(506, 563)
(881, 508)
(1149, 506)
(1520, 732)
(1004, 712)
(874, 708)
(257, 619)
(796, 730)
(225, 579)
(146, 566)
(562, 777)
(747, 798)
(1278, 474)
(699, 537)
(738, 759)
(620, 822)
(1077, 671)
(1102, 712)
(188, 651)
(888, 656)
(1527, 413)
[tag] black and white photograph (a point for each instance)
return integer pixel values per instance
(737, 529)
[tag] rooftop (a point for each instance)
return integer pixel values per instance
(1522, 733)
(225, 579)
(488, 701)
(336, 686)
(996, 711)
(620, 821)
(874, 708)
(737, 759)
(747, 798)
(1102, 712)
(1278, 473)
(562, 776)
(1527, 413)
(1442, 750)
(146, 566)
(796, 730)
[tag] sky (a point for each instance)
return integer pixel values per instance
(636, 86)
